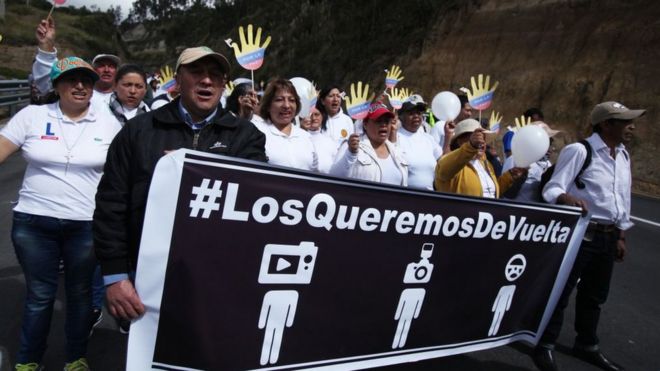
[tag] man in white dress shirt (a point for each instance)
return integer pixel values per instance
(603, 190)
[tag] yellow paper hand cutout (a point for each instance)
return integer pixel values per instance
(357, 103)
(481, 95)
(393, 76)
(522, 122)
(398, 96)
(494, 122)
(166, 78)
(250, 55)
(229, 87)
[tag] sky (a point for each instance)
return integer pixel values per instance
(103, 4)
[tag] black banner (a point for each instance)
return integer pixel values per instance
(246, 266)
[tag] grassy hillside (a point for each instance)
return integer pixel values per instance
(83, 33)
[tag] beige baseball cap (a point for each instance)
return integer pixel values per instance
(191, 55)
(613, 110)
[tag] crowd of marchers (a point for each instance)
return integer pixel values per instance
(92, 139)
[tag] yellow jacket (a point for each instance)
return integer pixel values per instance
(455, 174)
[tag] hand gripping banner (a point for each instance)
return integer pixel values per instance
(248, 266)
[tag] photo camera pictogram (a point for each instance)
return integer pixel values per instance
(420, 272)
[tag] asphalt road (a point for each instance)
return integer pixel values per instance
(629, 330)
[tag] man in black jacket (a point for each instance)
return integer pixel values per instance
(192, 121)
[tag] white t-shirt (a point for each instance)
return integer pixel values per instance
(51, 187)
(129, 113)
(326, 149)
(339, 127)
(294, 150)
(421, 152)
(487, 184)
(438, 133)
(391, 173)
(101, 98)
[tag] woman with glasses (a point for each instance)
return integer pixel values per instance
(418, 147)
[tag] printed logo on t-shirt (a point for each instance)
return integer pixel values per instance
(49, 135)
(98, 139)
(344, 133)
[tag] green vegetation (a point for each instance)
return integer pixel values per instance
(324, 40)
(82, 31)
(13, 73)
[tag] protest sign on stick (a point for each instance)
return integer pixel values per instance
(250, 54)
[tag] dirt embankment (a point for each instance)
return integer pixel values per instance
(561, 56)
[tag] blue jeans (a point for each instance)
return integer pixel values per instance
(39, 241)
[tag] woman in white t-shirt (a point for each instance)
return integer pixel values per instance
(371, 156)
(326, 147)
(338, 125)
(127, 101)
(65, 145)
(286, 144)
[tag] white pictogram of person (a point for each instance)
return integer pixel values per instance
(514, 269)
(410, 302)
(282, 264)
(278, 310)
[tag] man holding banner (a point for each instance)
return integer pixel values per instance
(193, 121)
(603, 189)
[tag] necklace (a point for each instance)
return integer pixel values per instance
(69, 149)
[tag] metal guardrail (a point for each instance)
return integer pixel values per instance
(14, 94)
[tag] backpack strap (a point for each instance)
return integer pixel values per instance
(587, 161)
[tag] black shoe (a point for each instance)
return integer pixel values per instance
(544, 359)
(597, 359)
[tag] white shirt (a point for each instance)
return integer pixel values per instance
(101, 99)
(326, 149)
(487, 185)
(294, 150)
(129, 113)
(391, 173)
(50, 187)
(421, 152)
(438, 133)
(529, 191)
(607, 181)
(339, 127)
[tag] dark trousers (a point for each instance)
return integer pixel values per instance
(593, 267)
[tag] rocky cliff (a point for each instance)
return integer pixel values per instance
(561, 56)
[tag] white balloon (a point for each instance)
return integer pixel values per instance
(301, 84)
(446, 106)
(529, 144)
